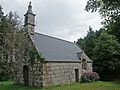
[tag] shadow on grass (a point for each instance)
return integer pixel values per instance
(117, 82)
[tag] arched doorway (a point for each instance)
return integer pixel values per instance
(26, 75)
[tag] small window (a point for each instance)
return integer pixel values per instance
(84, 64)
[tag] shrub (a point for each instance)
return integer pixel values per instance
(90, 76)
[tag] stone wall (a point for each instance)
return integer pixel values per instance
(35, 69)
(60, 73)
(51, 73)
(89, 67)
(35, 75)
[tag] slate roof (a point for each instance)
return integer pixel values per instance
(54, 49)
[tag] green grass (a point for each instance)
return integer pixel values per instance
(84, 86)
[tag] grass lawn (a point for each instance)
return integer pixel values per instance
(84, 86)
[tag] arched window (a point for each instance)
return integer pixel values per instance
(84, 64)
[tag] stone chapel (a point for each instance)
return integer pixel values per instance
(48, 60)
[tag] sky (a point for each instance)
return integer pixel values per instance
(64, 19)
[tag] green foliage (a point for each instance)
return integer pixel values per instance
(84, 86)
(103, 46)
(107, 8)
(104, 49)
(4, 70)
(33, 54)
(106, 53)
(88, 43)
(8, 28)
(110, 11)
(114, 28)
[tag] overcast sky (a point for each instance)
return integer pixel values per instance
(65, 19)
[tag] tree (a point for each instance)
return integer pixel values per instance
(9, 25)
(88, 43)
(3, 70)
(110, 11)
(103, 48)
(107, 8)
(106, 54)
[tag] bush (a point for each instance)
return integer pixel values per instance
(90, 76)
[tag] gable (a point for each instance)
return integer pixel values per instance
(54, 49)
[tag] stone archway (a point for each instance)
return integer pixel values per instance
(26, 75)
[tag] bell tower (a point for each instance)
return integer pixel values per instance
(29, 22)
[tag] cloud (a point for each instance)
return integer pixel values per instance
(65, 19)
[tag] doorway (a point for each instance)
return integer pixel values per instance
(26, 75)
(76, 75)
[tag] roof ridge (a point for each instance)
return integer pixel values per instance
(55, 38)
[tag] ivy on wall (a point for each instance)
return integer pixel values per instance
(34, 55)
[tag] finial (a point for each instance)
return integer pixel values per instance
(29, 3)
(29, 8)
